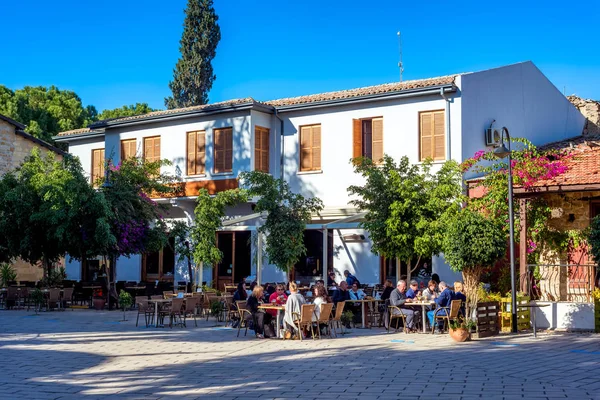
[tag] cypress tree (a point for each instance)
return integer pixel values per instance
(193, 74)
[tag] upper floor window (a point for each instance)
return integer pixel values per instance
(310, 147)
(367, 135)
(97, 165)
(223, 150)
(152, 148)
(128, 149)
(261, 149)
(196, 152)
(432, 137)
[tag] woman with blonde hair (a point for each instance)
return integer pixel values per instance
(259, 316)
(459, 295)
(293, 306)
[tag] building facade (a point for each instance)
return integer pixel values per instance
(309, 141)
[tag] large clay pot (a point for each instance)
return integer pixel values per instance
(460, 335)
(99, 304)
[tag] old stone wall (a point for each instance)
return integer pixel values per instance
(591, 111)
(7, 146)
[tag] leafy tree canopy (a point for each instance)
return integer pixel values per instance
(126, 111)
(193, 74)
(287, 216)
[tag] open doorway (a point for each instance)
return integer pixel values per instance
(236, 262)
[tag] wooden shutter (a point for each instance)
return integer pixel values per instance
(377, 128)
(128, 149)
(152, 149)
(261, 149)
(432, 136)
(310, 148)
(223, 150)
(97, 164)
(196, 152)
(439, 136)
(357, 138)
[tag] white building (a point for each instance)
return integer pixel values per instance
(309, 140)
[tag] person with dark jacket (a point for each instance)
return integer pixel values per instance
(342, 294)
(259, 317)
(240, 294)
(442, 301)
(350, 279)
(398, 298)
(387, 291)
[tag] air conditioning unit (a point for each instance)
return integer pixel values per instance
(353, 238)
(493, 137)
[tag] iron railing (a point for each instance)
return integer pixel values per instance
(559, 282)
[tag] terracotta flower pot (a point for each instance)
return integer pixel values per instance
(460, 335)
(99, 304)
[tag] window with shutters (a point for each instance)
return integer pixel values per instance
(432, 136)
(152, 148)
(310, 148)
(368, 138)
(196, 152)
(97, 165)
(261, 149)
(128, 149)
(223, 138)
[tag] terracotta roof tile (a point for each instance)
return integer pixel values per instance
(583, 168)
(364, 91)
(76, 132)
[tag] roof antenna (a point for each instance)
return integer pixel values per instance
(400, 64)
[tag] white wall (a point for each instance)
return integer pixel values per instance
(565, 315)
(401, 138)
(83, 150)
(520, 98)
(129, 268)
(355, 257)
(439, 266)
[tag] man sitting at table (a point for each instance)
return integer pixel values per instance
(443, 300)
(398, 298)
(278, 297)
(342, 293)
(413, 290)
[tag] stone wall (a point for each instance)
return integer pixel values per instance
(591, 111)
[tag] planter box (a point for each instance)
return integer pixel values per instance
(523, 314)
(487, 318)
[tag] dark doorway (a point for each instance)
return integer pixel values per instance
(310, 266)
(236, 262)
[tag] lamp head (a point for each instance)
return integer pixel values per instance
(502, 151)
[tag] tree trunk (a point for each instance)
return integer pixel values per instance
(408, 272)
(471, 282)
(190, 274)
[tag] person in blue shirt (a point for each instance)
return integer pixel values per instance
(350, 279)
(413, 290)
(443, 300)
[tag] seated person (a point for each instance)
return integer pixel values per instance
(259, 316)
(278, 297)
(388, 289)
(240, 294)
(459, 295)
(443, 300)
(413, 290)
(293, 308)
(331, 279)
(398, 299)
(431, 292)
(350, 279)
(342, 294)
(356, 293)
(320, 294)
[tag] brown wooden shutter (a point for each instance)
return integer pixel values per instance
(426, 136)
(377, 127)
(97, 165)
(200, 152)
(261, 149)
(152, 149)
(439, 137)
(128, 149)
(305, 148)
(223, 150)
(229, 150)
(219, 151)
(316, 147)
(356, 138)
(192, 140)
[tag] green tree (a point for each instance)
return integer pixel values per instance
(193, 74)
(407, 206)
(45, 110)
(209, 214)
(287, 216)
(472, 243)
(594, 239)
(126, 111)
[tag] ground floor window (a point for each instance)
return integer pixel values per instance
(236, 262)
(310, 266)
(159, 265)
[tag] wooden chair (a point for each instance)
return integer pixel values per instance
(396, 313)
(143, 307)
(304, 319)
(67, 297)
(451, 313)
(229, 310)
(174, 312)
(324, 318)
(373, 314)
(191, 305)
(245, 316)
(53, 300)
(337, 319)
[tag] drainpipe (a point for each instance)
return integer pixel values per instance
(282, 144)
(448, 154)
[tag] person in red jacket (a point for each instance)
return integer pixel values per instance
(278, 297)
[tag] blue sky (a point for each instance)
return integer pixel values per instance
(121, 52)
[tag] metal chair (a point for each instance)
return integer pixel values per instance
(304, 319)
(245, 316)
(324, 318)
(191, 304)
(337, 318)
(395, 312)
(451, 313)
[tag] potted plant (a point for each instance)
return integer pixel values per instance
(125, 301)
(460, 329)
(7, 274)
(346, 318)
(37, 297)
(216, 309)
(98, 299)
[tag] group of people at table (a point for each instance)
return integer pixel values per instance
(437, 294)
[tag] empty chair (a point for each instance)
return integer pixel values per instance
(191, 305)
(324, 318)
(337, 319)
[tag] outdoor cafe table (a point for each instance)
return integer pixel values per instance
(424, 305)
(156, 301)
(279, 310)
(362, 305)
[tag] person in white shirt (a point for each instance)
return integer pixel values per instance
(320, 295)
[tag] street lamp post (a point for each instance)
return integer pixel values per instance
(502, 152)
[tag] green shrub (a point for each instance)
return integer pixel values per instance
(7, 274)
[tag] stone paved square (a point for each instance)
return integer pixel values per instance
(86, 354)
